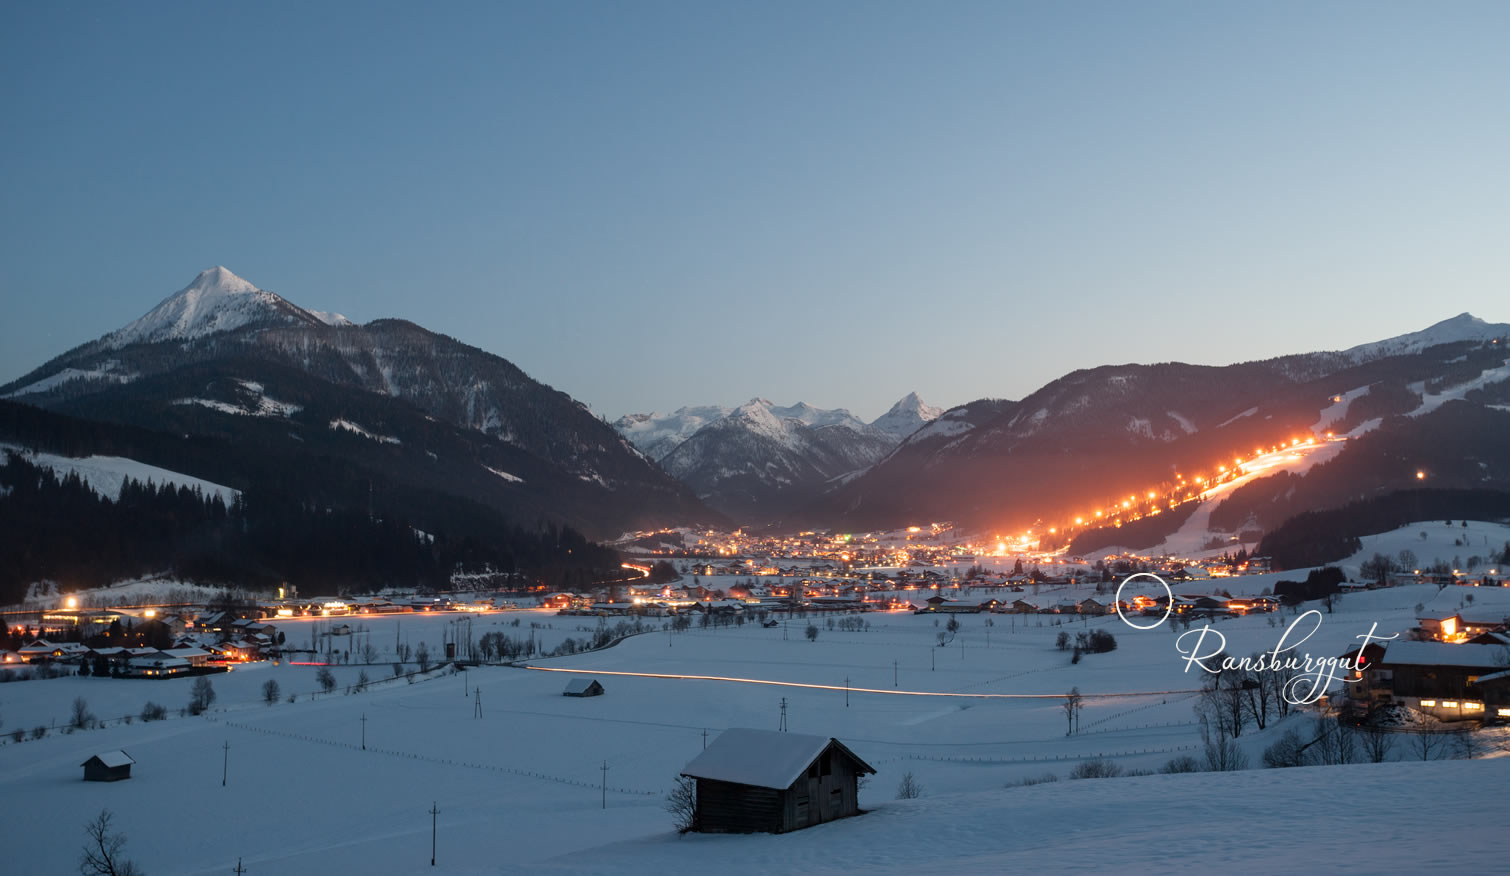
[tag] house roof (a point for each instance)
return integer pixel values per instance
(763, 758)
(579, 685)
(112, 759)
(1441, 654)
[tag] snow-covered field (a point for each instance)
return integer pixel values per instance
(519, 788)
(107, 474)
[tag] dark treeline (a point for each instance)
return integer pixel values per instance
(1138, 534)
(60, 529)
(1314, 538)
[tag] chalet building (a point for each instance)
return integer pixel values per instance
(1441, 626)
(108, 766)
(751, 781)
(1092, 606)
(158, 665)
(1438, 678)
(197, 657)
(1022, 606)
(583, 687)
(943, 605)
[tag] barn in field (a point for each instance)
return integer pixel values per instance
(108, 766)
(583, 687)
(752, 781)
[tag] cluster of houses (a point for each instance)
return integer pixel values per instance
(211, 641)
(1199, 605)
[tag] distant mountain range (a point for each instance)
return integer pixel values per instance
(1092, 437)
(760, 462)
(223, 358)
(254, 389)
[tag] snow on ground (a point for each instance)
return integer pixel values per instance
(47, 384)
(519, 789)
(107, 474)
(1430, 401)
(353, 427)
(1262, 821)
(139, 591)
(1438, 540)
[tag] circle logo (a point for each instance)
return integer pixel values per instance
(1168, 607)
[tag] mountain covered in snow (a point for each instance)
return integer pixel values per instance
(1101, 437)
(256, 355)
(760, 461)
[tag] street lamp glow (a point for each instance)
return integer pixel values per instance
(1420, 475)
(72, 603)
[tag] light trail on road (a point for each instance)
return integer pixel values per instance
(874, 690)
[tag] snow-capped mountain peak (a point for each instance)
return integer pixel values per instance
(216, 301)
(1463, 327)
(906, 417)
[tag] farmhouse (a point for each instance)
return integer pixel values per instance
(763, 781)
(1440, 679)
(108, 766)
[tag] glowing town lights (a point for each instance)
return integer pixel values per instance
(1052, 530)
(1420, 475)
(1222, 469)
(1079, 520)
(72, 603)
(1124, 505)
(1151, 494)
(1098, 512)
(151, 612)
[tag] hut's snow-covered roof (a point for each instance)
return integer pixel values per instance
(763, 758)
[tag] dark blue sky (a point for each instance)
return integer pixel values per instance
(655, 204)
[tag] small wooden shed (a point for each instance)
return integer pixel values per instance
(583, 687)
(763, 781)
(108, 766)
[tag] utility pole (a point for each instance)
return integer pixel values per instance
(364, 731)
(783, 715)
(705, 739)
(477, 706)
(933, 657)
(434, 811)
(893, 673)
(605, 784)
(846, 691)
(239, 869)
(225, 766)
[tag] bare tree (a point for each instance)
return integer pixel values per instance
(681, 802)
(81, 716)
(102, 853)
(326, 678)
(1428, 744)
(1289, 750)
(1466, 745)
(270, 692)
(201, 695)
(422, 654)
(908, 788)
(1377, 742)
(812, 632)
(1072, 705)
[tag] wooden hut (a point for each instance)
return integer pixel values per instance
(109, 766)
(763, 781)
(583, 687)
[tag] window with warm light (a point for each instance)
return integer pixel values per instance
(1449, 704)
(1474, 707)
(1429, 703)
